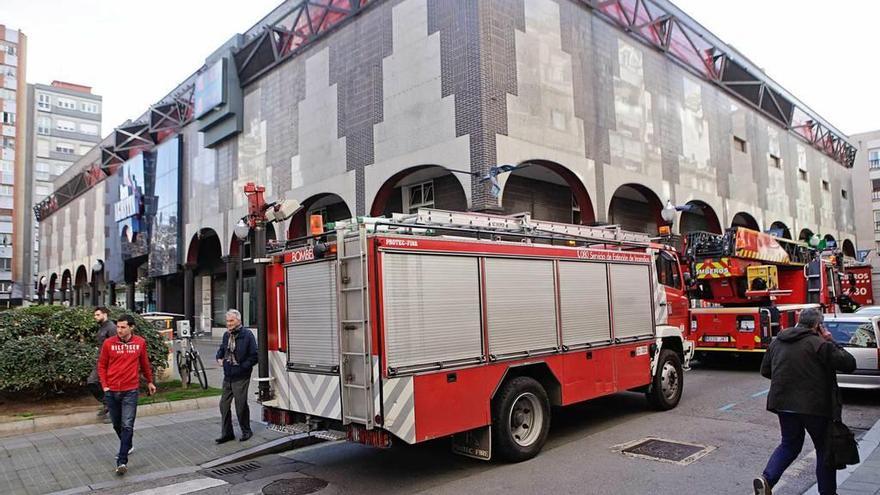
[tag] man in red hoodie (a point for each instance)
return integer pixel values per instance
(121, 360)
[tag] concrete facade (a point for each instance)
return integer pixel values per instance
(13, 133)
(415, 91)
(866, 196)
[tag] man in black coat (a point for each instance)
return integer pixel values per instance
(238, 355)
(106, 329)
(801, 364)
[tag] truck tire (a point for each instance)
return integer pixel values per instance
(668, 381)
(520, 419)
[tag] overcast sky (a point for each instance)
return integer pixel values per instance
(133, 53)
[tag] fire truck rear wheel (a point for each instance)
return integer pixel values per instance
(520, 419)
(668, 381)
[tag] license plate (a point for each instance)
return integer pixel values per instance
(716, 338)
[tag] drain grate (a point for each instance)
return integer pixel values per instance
(294, 486)
(236, 469)
(657, 449)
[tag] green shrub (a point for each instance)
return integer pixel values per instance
(53, 348)
(44, 363)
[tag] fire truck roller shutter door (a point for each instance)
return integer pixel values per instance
(521, 305)
(583, 289)
(432, 309)
(631, 300)
(312, 335)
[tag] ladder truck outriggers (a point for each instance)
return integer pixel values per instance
(746, 286)
(469, 326)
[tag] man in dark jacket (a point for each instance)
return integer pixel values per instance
(801, 363)
(238, 355)
(106, 329)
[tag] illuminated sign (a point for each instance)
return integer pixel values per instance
(210, 90)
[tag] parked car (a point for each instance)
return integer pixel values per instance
(868, 311)
(859, 334)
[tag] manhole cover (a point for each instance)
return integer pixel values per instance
(665, 450)
(235, 469)
(294, 486)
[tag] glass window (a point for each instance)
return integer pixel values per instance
(42, 167)
(667, 274)
(43, 191)
(65, 125)
(874, 155)
(88, 107)
(6, 166)
(5, 264)
(875, 185)
(5, 190)
(802, 174)
(90, 129)
(775, 161)
(65, 148)
(44, 125)
(825, 185)
(843, 193)
(66, 103)
(852, 333)
(44, 101)
(739, 144)
(419, 196)
(42, 147)
(7, 118)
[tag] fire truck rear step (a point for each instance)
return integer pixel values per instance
(356, 366)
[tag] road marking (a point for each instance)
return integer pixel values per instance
(184, 487)
(762, 392)
(728, 407)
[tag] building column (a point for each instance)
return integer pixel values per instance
(232, 281)
(129, 295)
(112, 289)
(94, 293)
(160, 293)
(189, 293)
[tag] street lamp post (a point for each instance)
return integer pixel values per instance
(241, 231)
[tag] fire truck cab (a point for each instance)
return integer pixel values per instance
(469, 326)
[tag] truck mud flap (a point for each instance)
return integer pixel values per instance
(476, 443)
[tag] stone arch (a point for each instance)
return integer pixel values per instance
(743, 219)
(66, 283)
(53, 282)
(779, 229)
(535, 186)
(849, 249)
(636, 207)
(702, 217)
(805, 235)
(332, 207)
(447, 191)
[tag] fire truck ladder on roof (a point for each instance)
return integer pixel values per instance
(355, 342)
(523, 224)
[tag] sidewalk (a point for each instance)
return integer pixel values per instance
(81, 456)
(863, 478)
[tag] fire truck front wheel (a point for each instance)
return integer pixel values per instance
(520, 419)
(668, 381)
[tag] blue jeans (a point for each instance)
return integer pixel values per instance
(793, 426)
(122, 407)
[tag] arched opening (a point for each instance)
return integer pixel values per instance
(636, 207)
(424, 186)
(53, 281)
(331, 207)
(805, 235)
(779, 229)
(547, 191)
(701, 217)
(65, 287)
(743, 219)
(204, 257)
(80, 286)
(830, 242)
(98, 284)
(849, 249)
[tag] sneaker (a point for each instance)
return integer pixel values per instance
(761, 486)
(121, 469)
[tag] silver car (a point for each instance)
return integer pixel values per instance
(859, 335)
(868, 311)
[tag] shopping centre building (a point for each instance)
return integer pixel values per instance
(608, 109)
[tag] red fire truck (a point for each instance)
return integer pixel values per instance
(469, 326)
(748, 285)
(856, 283)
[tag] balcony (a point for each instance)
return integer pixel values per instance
(75, 136)
(875, 195)
(874, 164)
(95, 117)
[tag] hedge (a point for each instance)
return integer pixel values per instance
(54, 348)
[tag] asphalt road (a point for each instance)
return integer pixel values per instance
(722, 408)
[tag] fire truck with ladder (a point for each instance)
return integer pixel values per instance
(746, 286)
(468, 326)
